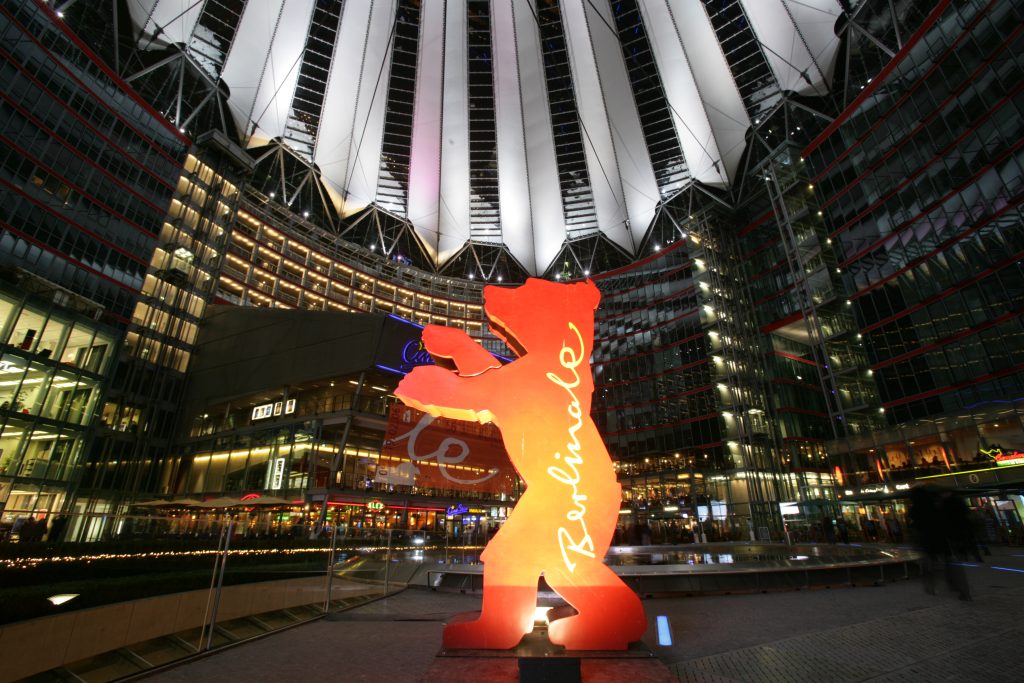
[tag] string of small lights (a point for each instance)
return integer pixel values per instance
(30, 562)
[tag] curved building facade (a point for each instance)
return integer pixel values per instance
(803, 218)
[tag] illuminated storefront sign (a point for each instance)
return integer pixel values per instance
(459, 509)
(375, 506)
(563, 524)
(414, 354)
(867, 490)
(1004, 458)
(277, 478)
(266, 410)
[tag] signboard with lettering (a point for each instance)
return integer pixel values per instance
(277, 477)
(1004, 458)
(401, 348)
(562, 525)
(266, 410)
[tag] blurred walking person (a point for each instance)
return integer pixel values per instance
(926, 527)
(959, 541)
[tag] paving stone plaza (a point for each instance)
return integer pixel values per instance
(893, 632)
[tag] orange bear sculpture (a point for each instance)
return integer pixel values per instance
(563, 524)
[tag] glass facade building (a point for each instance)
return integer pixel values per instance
(56, 363)
(811, 286)
(88, 167)
(920, 182)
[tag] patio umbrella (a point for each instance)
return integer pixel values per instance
(222, 502)
(264, 500)
(183, 502)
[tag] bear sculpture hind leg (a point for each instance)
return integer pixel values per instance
(610, 614)
(510, 599)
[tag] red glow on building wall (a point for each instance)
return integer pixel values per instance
(434, 452)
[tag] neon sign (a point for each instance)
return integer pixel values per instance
(563, 523)
(459, 509)
(414, 354)
(375, 505)
(1003, 458)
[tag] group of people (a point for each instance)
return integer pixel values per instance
(36, 529)
(944, 532)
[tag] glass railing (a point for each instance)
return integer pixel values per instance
(177, 587)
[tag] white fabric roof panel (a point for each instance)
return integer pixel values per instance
(798, 38)
(719, 96)
(453, 200)
(262, 66)
(602, 165)
(425, 155)
(544, 195)
(514, 178)
(639, 187)
(352, 123)
(363, 158)
(693, 129)
(711, 123)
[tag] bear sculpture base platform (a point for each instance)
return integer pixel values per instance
(537, 660)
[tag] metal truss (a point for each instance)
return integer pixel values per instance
(195, 100)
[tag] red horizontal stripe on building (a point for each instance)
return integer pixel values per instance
(923, 124)
(963, 284)
(122, 84)
(88, 195)
(782, 322)
(64, 219)
(74, 262)
(790, 356)
(1013, 204)
(909, 223)
(958, 385)
(757, 222)
(78, 153)
(970, 331)
(667, 425)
